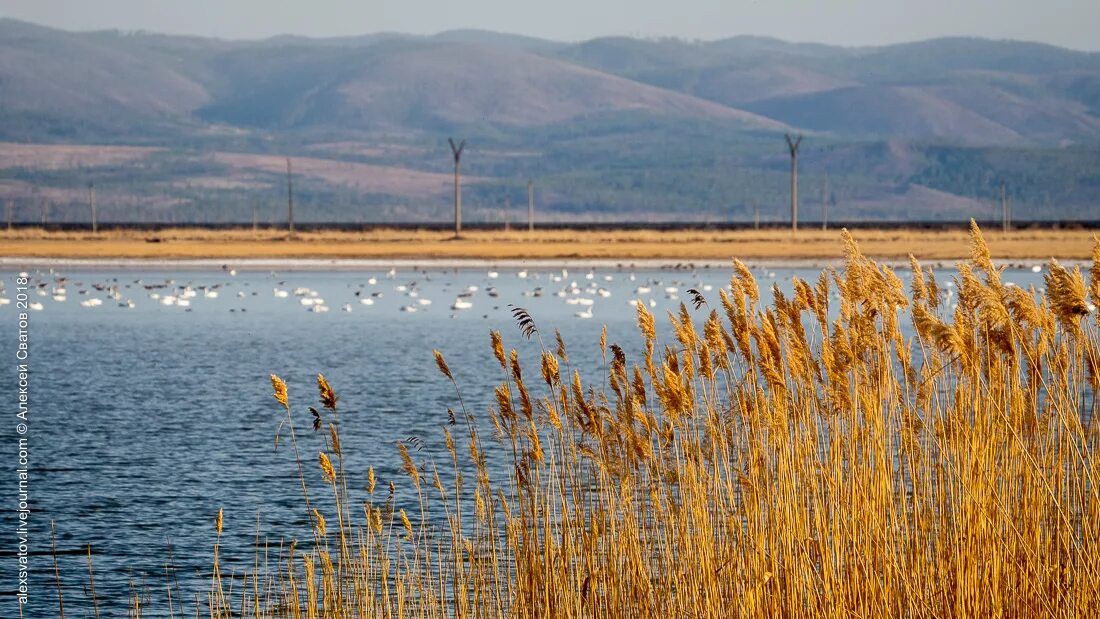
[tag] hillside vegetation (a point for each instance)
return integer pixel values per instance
(610, 129)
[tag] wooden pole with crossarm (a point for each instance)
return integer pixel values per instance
(457, 152)
(792, 145)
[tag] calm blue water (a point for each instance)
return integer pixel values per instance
(146, 420)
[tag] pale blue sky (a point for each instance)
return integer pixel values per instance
(1069, 23)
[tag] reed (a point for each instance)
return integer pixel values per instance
(798, 458)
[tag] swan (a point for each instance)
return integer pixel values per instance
(459, 304)
(586, 313)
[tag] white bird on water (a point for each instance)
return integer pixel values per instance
(586, 313)
(459, 304)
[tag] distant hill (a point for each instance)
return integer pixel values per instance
(433, 85)
(612, 128)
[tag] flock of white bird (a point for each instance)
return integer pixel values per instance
(581, 292)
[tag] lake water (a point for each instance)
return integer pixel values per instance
(145, 420)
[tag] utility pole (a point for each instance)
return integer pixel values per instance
(457, 152)
(10, 208)
(792, 145)
(91, 203)
(825, 203)
(289, 198)
(530, 206)
(1005, 221)
(508, 214)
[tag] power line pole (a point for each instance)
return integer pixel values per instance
(289, 198)
(91, 203)
(825, 203)
(792, 146)
(1005, 222)
(457, 152)
(530, 206)
(10, 206)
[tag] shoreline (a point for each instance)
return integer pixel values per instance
(647, 248)
(374, 264)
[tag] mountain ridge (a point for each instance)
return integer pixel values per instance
(611, 126)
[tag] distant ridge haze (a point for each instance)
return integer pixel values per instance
(1069, 23)
(612, 126)
(971, 90)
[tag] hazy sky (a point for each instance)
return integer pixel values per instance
(1069, 23)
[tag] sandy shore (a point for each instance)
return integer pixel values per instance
(329, 249)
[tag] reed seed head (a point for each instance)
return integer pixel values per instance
(326, 467)
(279, 387)
(328, 396)
(439, 361)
